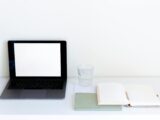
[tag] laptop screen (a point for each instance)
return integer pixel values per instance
(37, 59)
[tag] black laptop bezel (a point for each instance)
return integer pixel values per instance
(31, 79)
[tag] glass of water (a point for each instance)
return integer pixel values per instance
(85, 75)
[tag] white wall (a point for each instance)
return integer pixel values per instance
(119, 37)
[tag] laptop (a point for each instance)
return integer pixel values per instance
(38, 70)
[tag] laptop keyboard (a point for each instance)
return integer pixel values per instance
(37, 84)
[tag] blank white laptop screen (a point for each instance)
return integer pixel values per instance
(37, 59)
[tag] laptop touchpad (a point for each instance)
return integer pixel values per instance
(33, 93)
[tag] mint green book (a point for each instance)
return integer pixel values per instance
(88, 102)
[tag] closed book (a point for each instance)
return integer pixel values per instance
(88, 102)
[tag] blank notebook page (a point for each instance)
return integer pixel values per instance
(111, 94)
(141, 95)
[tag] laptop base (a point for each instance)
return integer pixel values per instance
(32, 93)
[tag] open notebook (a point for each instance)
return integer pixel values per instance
(132, 95)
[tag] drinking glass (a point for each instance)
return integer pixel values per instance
(85, 75)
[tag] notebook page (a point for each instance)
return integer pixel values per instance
(111, 94)
(142, 95)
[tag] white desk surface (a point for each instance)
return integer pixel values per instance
(65, 106)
